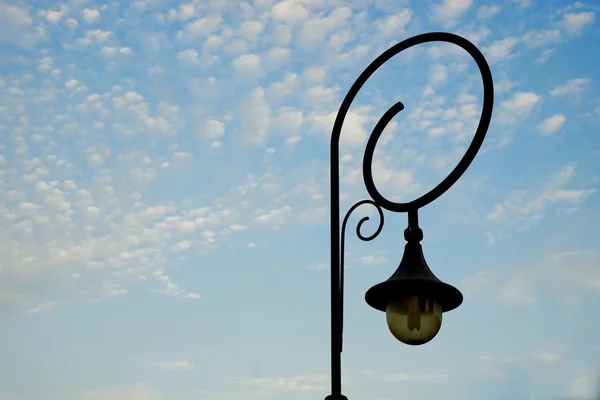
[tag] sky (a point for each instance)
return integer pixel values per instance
(164, 198)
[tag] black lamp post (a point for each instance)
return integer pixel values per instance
(413, 298)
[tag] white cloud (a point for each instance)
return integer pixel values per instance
(517, 291)
(54, 16)
(237, 228)
(315, 30)
(575, 23)
(94, 36)
(277, 56)
(289, 11)
(292, 140)
(203, 26)
(155, 70)
(353, 134)
(486, 12)
(293, 384)
(90, 15)
(395, 24)
(97, 226)
(315, 73)
(251, 29)
(504, 86)
(189, 57)
(184, 12)
(573, 271)
(208, 237)
(525, 208)
(340, 40)
(552, 124)
(408, 377)
(439, 73)
(538, 38)
(13, 12)
(274, 216)
(213, 42)
(132, 392)
(71, 23)
(108, 290)
(236, 48)
(98, 154)
(264, 3)
(474, 283)
(544, 56)
(213, 129)
(142, 175)
(584, 384)
(573, 88)
(449, 11)
(373, 260)
(173, 366)
(282, 35)
(518, 106)
(255, 114)
(287, 120)
(71, 84)
(500, 50)
(549, 357)
(170, 288)
(16, 26)
(319, 266)
(319, 96)
(428, 91)
(186, 227)
(247, 66)
(523, 3)
(45, 306)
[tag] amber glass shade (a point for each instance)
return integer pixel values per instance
(414, 320)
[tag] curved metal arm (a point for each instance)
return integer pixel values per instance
(337, 248)
(337, 295)
(342, 247)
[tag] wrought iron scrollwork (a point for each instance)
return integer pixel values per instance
(378, 201)
(342, 248)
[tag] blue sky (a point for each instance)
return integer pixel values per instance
(164, 207)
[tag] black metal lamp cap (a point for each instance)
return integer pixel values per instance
(413, 278)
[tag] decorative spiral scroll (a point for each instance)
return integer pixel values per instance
(363, 220)
(461, 167)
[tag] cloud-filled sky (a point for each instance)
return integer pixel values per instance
(164, 198)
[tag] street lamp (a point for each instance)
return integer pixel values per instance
(413, 298)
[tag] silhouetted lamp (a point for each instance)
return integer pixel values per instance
(413, 298)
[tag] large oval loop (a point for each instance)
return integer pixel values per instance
(461, 167)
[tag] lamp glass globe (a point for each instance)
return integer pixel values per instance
(414, 320)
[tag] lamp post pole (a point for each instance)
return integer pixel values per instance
(413, 297)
